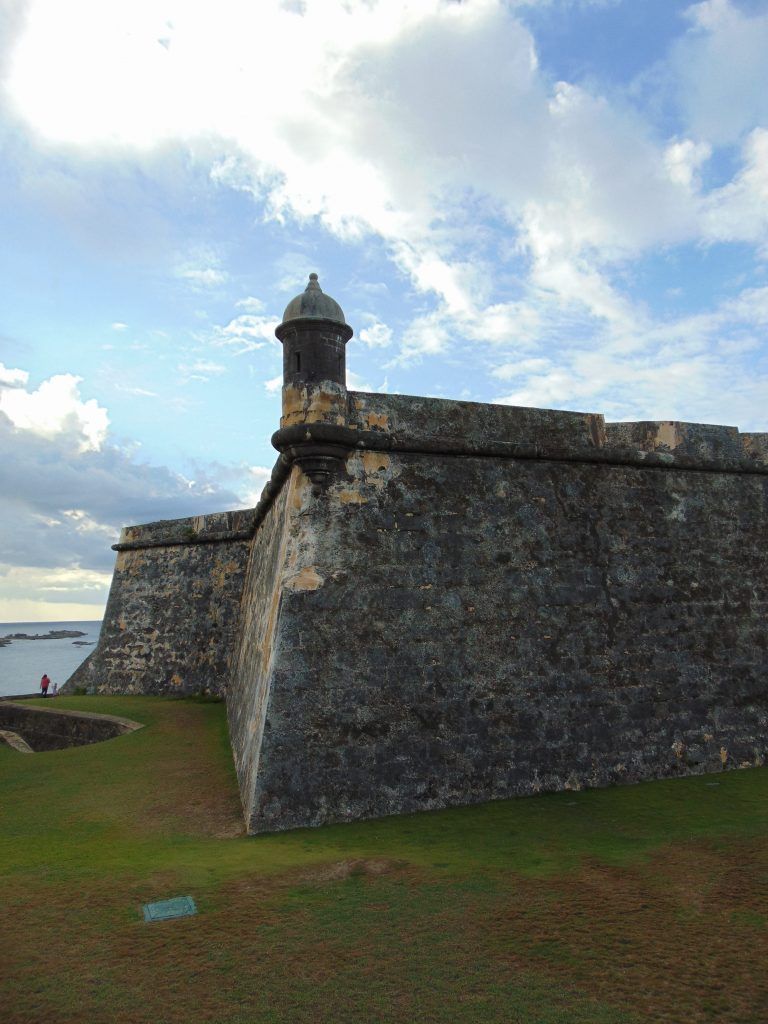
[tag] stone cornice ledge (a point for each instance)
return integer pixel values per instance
(297, 443)
(303, 436)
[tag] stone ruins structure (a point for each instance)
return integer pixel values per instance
(439, 602)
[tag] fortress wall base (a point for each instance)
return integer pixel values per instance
(476, 628)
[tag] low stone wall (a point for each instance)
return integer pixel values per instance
(705, 441)
(411, 418)
(49, 729)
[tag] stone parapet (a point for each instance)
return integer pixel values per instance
(540, 601)
(704, 442)
(438, 602)
(755, 446)
(407, 418)
(217, 526)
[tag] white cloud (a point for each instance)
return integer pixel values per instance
(58, 593)
(206, 366)
(669, 370)
(54, 409)
(65, 488)
(513, 204)
(509, 371)
(751, 306)
(201, 268)
(118, 325)
(739, 210)
(683, 158)
(720, 73)
(202, 277)
(376, 334)
(85, 523)
(274, 385)
(358, 135)
(246, 333)
(12, 378)
(200, 370)
(137, 392)
(250, 304)
(426, 335)
(384, 125)
(357, 383)
(551, 390)
(256, 478)
(508, 323)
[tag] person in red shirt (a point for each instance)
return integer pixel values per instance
(45, 682)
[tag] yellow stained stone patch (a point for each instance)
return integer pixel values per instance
(313, 405)
(351, 497)
(375, 419)
(301, 490)
(373, 462)
(668, 434)
(307, 578)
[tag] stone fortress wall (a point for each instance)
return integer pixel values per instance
(172, 613)
(440, 603)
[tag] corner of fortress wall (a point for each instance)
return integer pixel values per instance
(484, 601)
(501, 601)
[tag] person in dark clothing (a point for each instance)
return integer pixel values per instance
(45, 682)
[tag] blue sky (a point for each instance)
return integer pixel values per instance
(559, 203)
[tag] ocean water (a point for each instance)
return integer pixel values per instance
(23, 662)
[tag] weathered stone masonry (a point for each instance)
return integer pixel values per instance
(171, 618)
(441, 602)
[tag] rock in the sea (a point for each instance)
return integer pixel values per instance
(53, 634)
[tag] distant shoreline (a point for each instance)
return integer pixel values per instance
(52, 634)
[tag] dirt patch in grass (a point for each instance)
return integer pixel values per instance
(336, 871)
(676, 939)
(191, 787)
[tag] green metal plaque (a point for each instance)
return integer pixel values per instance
(179, 906)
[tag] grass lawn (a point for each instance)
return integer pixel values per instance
(643, 903)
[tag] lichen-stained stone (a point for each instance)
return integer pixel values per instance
(325, 403)
(482, 628)
(259, 623)
(703, 440)
(756, 447)
(413, 417)
(172, 615)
